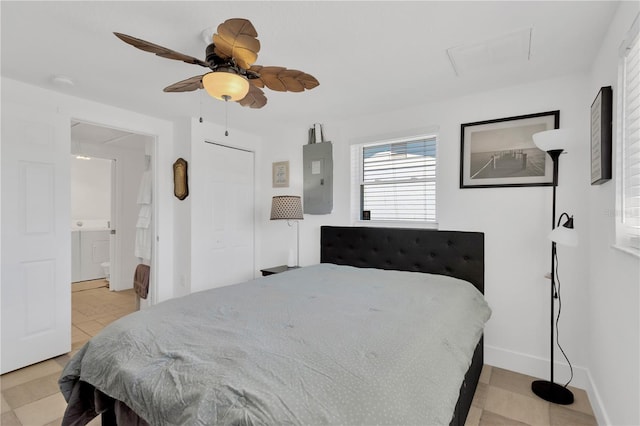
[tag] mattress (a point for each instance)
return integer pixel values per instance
(325, 344)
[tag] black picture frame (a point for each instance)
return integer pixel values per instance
(601, 136)
(501, 152)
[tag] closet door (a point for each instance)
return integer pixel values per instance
(36, 236)
(223, 217)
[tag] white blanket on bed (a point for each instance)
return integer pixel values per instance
(324, 344)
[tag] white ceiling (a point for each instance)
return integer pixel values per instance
(369, 57)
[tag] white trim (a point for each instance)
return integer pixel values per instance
(395, 224)
(629, 250)
(627, 237)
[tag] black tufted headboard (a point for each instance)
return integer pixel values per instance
(454, 253)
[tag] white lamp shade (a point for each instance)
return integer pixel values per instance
(550, 140)
(564, 236)
(286, 207)
(225, 83)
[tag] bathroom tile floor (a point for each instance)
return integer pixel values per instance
(30, 396)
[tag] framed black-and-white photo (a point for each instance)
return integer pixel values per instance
(280, 174)
(601, 117)
(501, 152)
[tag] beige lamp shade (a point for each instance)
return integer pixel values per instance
(286, 207)
(225, 83)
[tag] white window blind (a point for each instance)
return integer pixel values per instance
(630, 138)
(398, 181)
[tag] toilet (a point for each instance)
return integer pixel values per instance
(105, 268)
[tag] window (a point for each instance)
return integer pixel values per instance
(396, 180)
(628, 228)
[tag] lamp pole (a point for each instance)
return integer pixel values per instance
(549, 390)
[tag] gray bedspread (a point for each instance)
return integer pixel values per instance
(324, 344)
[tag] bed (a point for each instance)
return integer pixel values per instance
(347, 341)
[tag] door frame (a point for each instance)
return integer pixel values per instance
(151, 300)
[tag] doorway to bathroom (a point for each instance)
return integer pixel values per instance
(111, 180)
(91, 201)
(106, 201)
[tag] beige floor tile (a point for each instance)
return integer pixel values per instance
(63, 359)
(9, 419)
(518, 383)
(42, 411)
(5, 405)
(108, 319)
(580, 401)
(480, 396)
(90, 327)
(78, 335)
(530, 410)
(485, 375)
(29, 373)
(473, 418)
(492, 419)
(77, 317)
(34, 390)
(563, 415)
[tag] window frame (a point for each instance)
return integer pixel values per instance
(357, 182)
(627, 237)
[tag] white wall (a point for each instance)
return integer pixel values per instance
(515, 220)
(614, 276)
(90, 189)
(182, 213)
(161, 130)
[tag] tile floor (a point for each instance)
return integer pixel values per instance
(505, 398)
(30, 396)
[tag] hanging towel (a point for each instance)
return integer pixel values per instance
(144, 216)
(144, 191)
(142, 249)
(141, 280)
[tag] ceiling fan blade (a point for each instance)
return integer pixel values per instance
(236, 38)
(282, 79)
(188, 85)
(159, 50)
(254, 99)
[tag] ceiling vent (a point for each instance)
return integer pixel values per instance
(509, 49)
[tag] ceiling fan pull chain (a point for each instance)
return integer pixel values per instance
(226, 114)
(202, 94)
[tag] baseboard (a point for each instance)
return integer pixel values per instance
(539, 368)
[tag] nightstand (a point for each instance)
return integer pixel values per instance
(277, 270)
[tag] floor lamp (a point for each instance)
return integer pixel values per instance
(288, 207)
(552, 142)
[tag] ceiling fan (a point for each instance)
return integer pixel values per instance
(233, 75)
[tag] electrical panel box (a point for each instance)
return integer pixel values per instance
(317, 160)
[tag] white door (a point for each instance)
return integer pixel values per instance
(223, 223)
(36, 236)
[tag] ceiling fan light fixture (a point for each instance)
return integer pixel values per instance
(225, 84)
